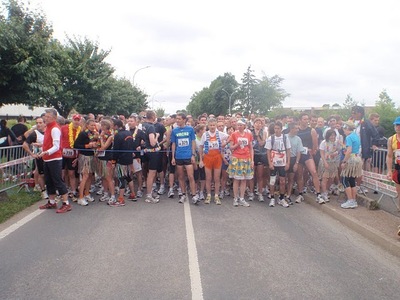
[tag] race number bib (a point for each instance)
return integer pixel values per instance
(101, 153)
(397, 156)
(68, 153)
(243, 142)
(183, 142)
(213, 145)
(278, 158)
(305, 150)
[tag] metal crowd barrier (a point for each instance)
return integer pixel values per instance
(16, 167)
(376, 178)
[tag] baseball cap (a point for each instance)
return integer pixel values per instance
(397, 121)
(77, 117)
(349, 125)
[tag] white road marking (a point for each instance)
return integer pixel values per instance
(194, 269)
(20, 223)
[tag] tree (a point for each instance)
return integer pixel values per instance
(387, 111)
(160, 112)
(27, 65)
(84, 78)
(214, 98)
(248, 93)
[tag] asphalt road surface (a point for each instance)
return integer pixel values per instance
(181, 251)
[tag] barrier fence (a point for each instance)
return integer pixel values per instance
(377, 180)
(15, 168)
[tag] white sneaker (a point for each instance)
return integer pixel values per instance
(127, 192)
(195, 199)
(150, 199)
(272, 202)
(260, 197)
(171, 193)
(299, 199)
(139, 194)
(82, 202)
(243, 202)
(227, 192)
(325, 196)
(92, 188)
(182, 198)
(161, 190)
(349, 204)
(100, 191)
(320, 199)
(112, 200)
(235, 202)
(201, 196)
(45, 195)
(104, 197)
(89, 198)
(179, 192)
(251, 196)
(283, 203)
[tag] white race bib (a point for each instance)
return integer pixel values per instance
(213, 145)
(183, 142)
(101, 153)
(278, 158)
(68, 153)
(243, 142)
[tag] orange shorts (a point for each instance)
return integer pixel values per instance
(212, 160)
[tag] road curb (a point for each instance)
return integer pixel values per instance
(390, 245)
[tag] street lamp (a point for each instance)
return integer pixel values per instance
(133, 79)
(152, 97)
(230, 97)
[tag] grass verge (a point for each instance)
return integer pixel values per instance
(12, 202)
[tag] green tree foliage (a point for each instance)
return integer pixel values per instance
(251, 96)
(160, 112)
(248, 93)
(387, 111)
(214, 98)
(27, 64)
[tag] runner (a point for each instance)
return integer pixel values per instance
(241, 166)
(69, 134)
(52, 158)
(393, 155)
(351, 165)
(183, 141)
(86, 142)
(211, 145)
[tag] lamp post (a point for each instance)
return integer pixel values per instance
(152, 97)
(230, 97)
(133, 79)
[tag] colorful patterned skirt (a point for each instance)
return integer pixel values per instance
(240, 169)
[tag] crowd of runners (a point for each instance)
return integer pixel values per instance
(207, 158)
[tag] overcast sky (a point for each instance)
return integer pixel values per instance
(324, 50)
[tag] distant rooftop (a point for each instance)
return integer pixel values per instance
(11, 111)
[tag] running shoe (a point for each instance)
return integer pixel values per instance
(48, 205)
(349, 204)
(64, 208)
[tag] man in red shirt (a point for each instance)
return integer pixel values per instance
(52, 157)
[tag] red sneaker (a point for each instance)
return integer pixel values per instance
(132, 197)
(48, 205)
(64, 208)
(121, 201)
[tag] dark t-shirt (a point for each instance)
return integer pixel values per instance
(148, 128)
(19, 130)
(138, 139)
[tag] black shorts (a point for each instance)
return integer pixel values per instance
(154, 160)
(39, 165)
(67, 163)
(304, 158)
(183, 162)
(278, 171)
(260, 159)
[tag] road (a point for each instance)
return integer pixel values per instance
(174, 251)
